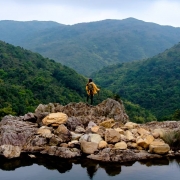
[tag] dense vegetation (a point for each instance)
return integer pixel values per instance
(153, 83)
(87, 47)
(27, 79)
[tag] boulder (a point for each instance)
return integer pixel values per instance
(159, 147)
(55, 118)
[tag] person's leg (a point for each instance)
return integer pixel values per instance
(91, 99)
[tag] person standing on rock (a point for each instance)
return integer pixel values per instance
(91, 89)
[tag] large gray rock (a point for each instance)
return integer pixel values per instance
(14, 131)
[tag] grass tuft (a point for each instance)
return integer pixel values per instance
(173, 139)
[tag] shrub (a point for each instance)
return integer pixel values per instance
(173, 139)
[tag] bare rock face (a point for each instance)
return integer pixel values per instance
(79, 114)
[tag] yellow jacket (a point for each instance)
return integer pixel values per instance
(95, 89)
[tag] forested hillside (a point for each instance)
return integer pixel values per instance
(153, 83)
(87, 47)
(27, 79)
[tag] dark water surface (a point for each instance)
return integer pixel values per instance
(54, 168)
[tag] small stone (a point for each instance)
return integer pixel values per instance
(102, 145)
(130, 125)
(94, 129)
(121, 145)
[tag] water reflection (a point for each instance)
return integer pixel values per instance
(155, 162)
(65, 165)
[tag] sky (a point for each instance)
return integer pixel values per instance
(69, 12)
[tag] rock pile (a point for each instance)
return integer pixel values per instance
(102, 132)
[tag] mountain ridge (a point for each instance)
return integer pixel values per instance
(87, 47)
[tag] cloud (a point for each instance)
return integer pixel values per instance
(165, 12)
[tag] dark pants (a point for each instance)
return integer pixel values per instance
(91, 97)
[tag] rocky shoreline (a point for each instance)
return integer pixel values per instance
(101, 132)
